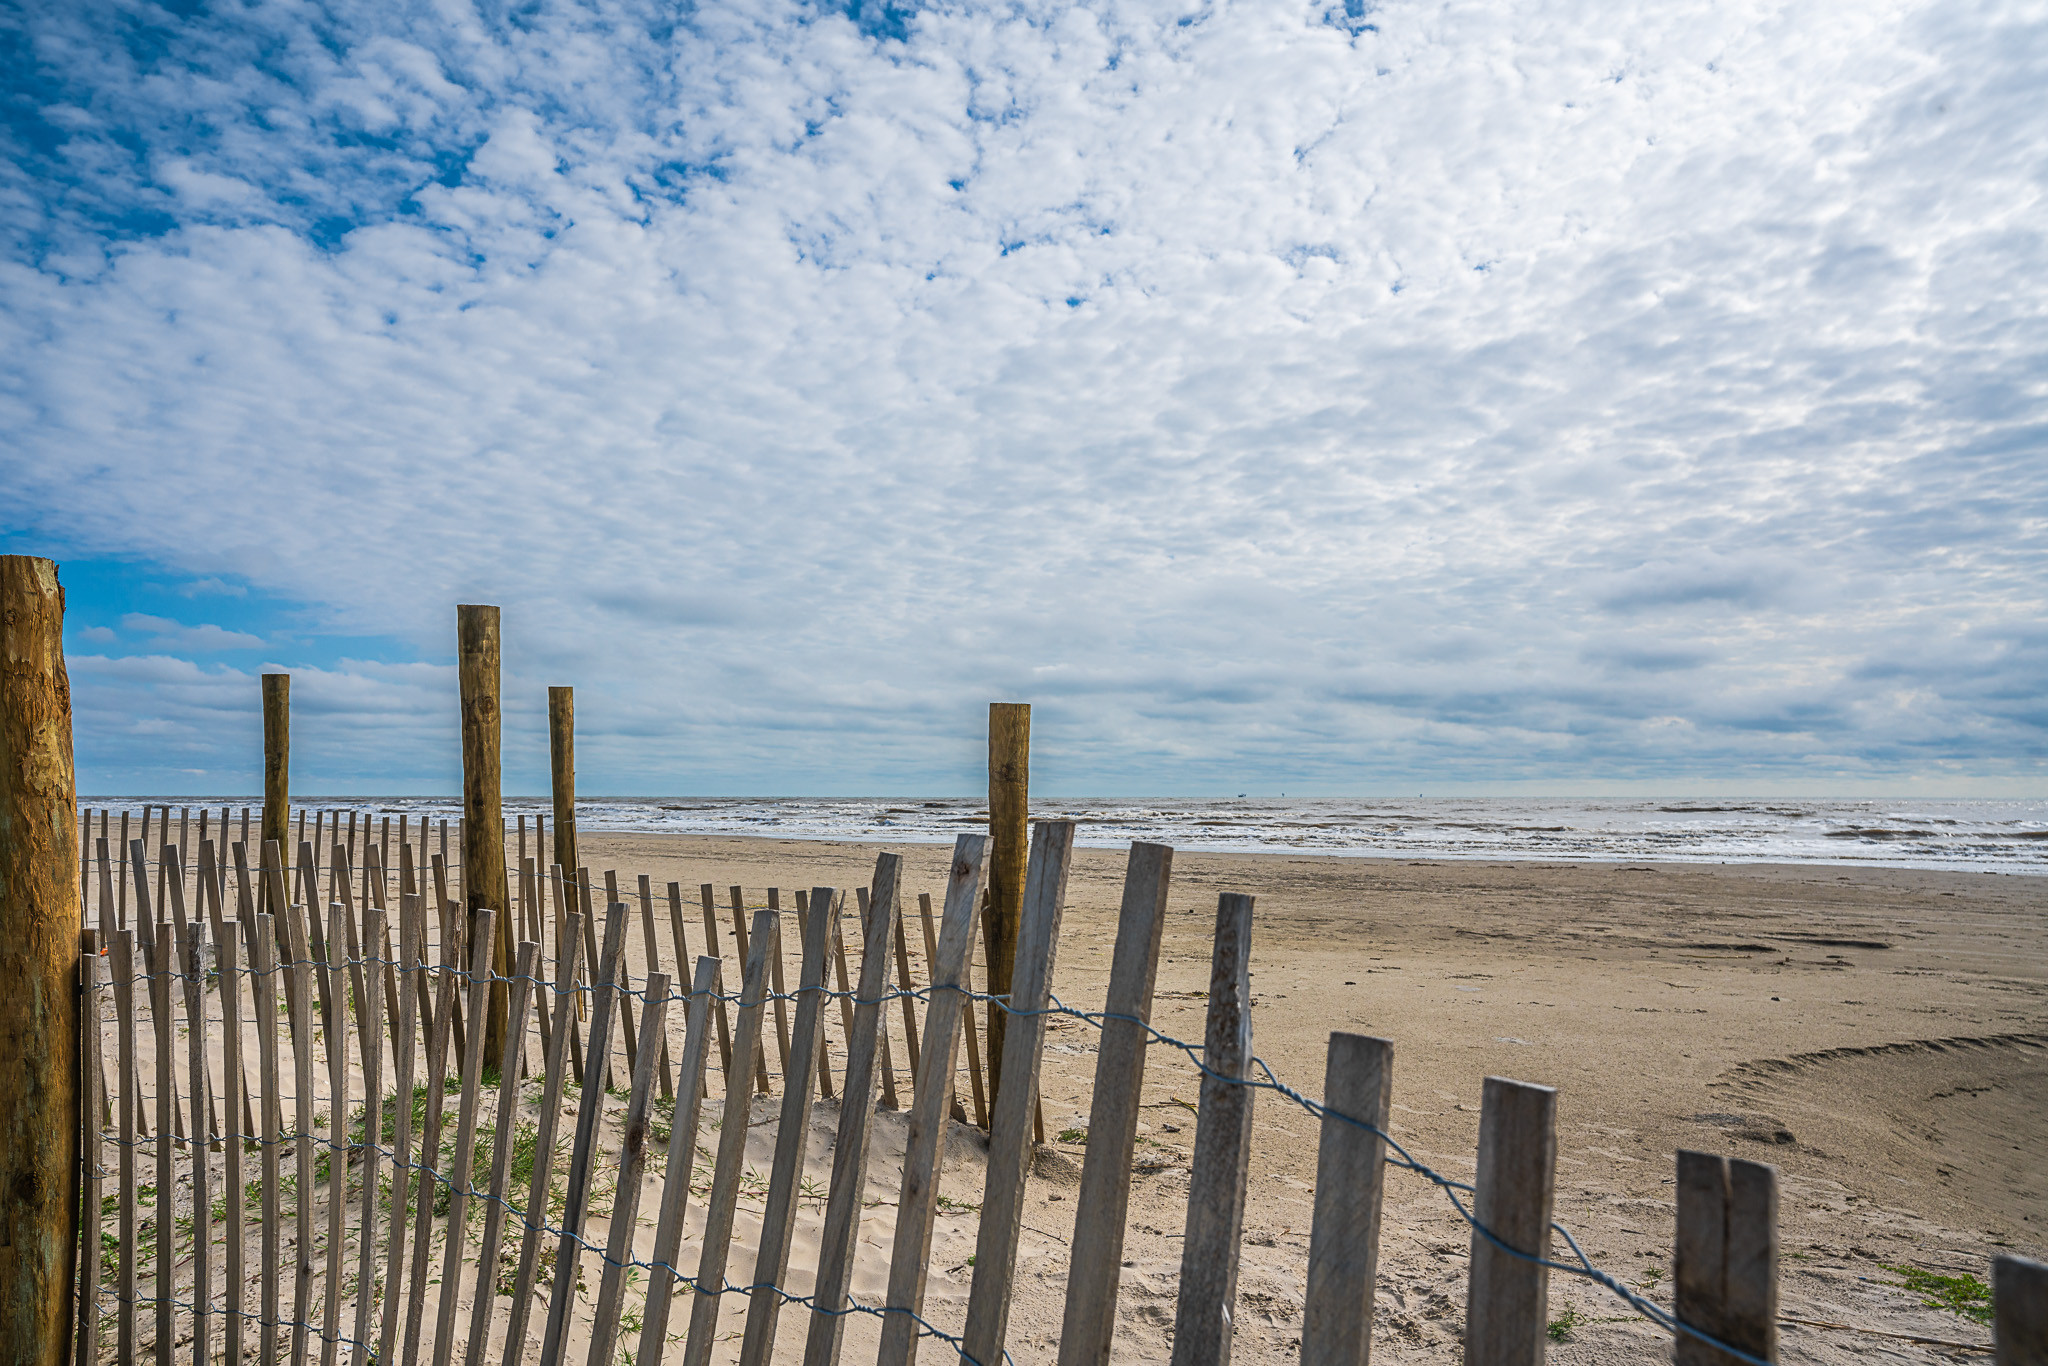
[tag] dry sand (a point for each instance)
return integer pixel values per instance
(1880, 1035)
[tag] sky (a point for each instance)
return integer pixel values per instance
(1321, 398)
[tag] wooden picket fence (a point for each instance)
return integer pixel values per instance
(287, 1055)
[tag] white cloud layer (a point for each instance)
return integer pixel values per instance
(1494, 392)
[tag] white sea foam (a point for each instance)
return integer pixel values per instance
(2006, 835)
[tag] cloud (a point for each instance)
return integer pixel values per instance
(1484, 394)
(167, 634)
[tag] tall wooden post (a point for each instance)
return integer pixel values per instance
(483, 822)
(1009, 817)
(277, 771)
(562, 765)
(39, 955)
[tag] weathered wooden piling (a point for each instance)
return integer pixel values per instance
(1009, 814)
(277, 770)
(483, 823)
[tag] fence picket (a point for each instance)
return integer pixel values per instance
(459, 1188)
(618, 1256)
(1507, 1297)
(844, 1198)
(924, 1144)
(792, 1136)
(443, 1032)
(334, 1039)
(1724, 1268)
(725, 1175)
(202, 1199)
(653, 948)
(412, 986)
(123, 968)
(1207, 1302)
(264, 986)
(864, 897)
(1344, 1241)
(483, 1304)
(92, 1147)
(739, 937)
(780, 992)
(1101, 1205)
(534, 1216)
(583, 1157)
(161, 967)
(369, 1019)
(1009, 1144)
(682, 1152)
(708, 896)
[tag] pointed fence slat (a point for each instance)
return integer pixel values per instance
(1103, 1202)
(583, 1157)
(848, 1191)
(625, 1215)
(781, 991)
(411, 986)
(368, 1019)
(792, 1135)
(725, 1175)
(652, 946)
(1223, 1136)
(483, 1304)
(1009, 1144)
(202, 1197)
(1507, 1301)
(739, 934)
(265, 981)
(682, 1153)
(459, 1188)
(333, 972)
(235, 1307)
(533, 1216)
(924, 1144)
(299, 981)
(1344, 1240)
(429, 1174)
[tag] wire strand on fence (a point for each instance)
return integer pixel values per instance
(1270, 1081)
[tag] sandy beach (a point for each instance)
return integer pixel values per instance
(1880, 1035)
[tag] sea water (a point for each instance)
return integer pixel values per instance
(2008, 835)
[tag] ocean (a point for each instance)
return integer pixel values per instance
(2005, 835)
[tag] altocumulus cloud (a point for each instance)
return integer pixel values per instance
(1307, 396)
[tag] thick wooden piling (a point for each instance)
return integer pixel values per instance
(562, 766)
(39, 954)
(1009, 814)
(277, 769)
(483, 822)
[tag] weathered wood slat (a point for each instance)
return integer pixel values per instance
(1724, 1271)
(533, 1216)
(123, 969)
(202, 1192)
(429, 1161)
(333, 973)
(726, 1172)
(1089, 1324)
(369, 1019)
(1507, 1303)
(483, 923)
(889, 1100)
(653, 949)
(844, 1198)
(1009, 1144)
(583, 1157)
(739, 934)
(931, 956)
(924, 1144)
(299, 981)
(785, 1178)
(1207, 1303)
(682, 1150)
(775, 982)
(162, 967)
(266, 981)
(92, 1148)
(707, 894)
(411, 988)
(1344, 1241)
(625, 1215)
(906, 985)
(483, 1303)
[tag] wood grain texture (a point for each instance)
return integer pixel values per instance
(1089, 1323)
(841, 1233)
(625, 1214)
(707, 895)
(562, 770)
(1009, 1141)
(583, 1156)
(1204, 1318)
(1508, 1296)
(726, 1172)
(2019, 1312)
(39, 923)
(682, 1151)
(1344, 1240)
(1724, 1270)
(534, 1211)
(1009, 815)
(484, 885)
(792, 1134)
(274, 827)
(479, 984)
(917, 1202)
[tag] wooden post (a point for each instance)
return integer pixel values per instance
(1105, 1195)
(562, 764)
(1009, 1140)
(1344, 1241)
(277, 770)
(1508, 1296)
(39, 953)
(483, 819)
(2019, 1312)
(1203, 1322)
(1009, 814)
(1725, 1272)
